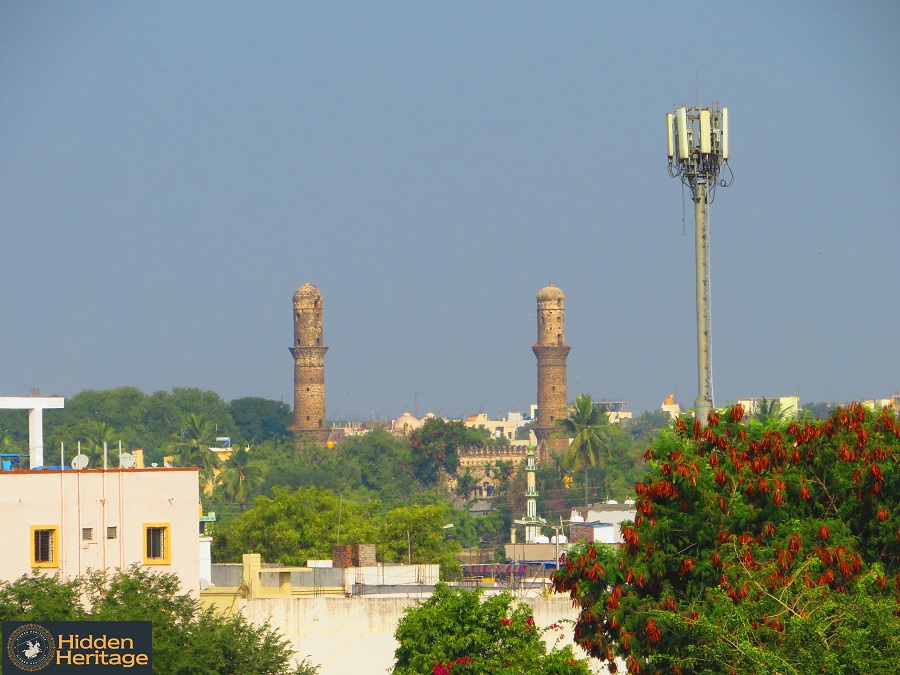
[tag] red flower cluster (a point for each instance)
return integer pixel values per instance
(447, 668)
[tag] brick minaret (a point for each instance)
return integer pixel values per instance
(551, 351)
(309, 366)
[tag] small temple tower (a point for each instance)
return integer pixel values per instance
(309, 366)
(551, 351)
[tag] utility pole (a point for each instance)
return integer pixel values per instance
(698, 150)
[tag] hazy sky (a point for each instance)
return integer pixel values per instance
(170, 172)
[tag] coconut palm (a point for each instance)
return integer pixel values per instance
(241, 477)
(191, 446)
(588, 427)
(96, 435)
(769, 411)
(8, 444)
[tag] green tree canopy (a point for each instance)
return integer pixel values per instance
(259, 419)
(419, 534)
(456, 632)
(293, 526)
(757, 548)
(186, 639)
(435, 447)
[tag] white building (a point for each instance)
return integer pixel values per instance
(498, 428)
(68, 522)
(787, 406)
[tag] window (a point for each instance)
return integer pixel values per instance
(156, 544)
(112, 532)
(45, 546)
(87, 534)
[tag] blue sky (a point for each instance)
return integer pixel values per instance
(171, 172)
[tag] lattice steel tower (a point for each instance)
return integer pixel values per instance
(698, 151)
(309, 366)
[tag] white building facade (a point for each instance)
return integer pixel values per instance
(69, 522)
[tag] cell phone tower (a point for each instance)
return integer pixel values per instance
(698, 153)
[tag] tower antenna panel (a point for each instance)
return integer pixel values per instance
(705, 132)
(684, 150)
(723, 123)
(671, 132)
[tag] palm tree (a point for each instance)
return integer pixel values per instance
(588, 427)
(241, 477)
(191, 446)
(769, 411)
(7, 443)
(96, 435)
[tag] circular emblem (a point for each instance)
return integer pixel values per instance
(31, 647)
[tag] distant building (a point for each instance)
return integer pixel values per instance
(880, 403)
(407, 423)
(615, 410)
(477, 461)
(669, 406)
(499, 428)
(787, 406)
(66, 522)
(601, 523)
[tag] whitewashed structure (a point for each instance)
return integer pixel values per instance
(67, 522)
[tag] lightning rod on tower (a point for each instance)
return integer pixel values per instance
(698, 152)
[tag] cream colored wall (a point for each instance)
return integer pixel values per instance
(126, 499)
(356, 634)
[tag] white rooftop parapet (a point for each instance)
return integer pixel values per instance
(35, 405)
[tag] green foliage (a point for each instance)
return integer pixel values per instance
(241, 476)
(757, 548)
(416, 534)
(367, 467)
(186, 639)
(457, 632)
(465, 483)
(523, 433)
(589, 428)
(647, 425)
(294, 526)
(124, 414)
(259, 419)
(435, 447)
(39, 597)
(819, 410)
(191, 447)
(769, 411)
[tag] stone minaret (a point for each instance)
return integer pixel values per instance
(309, 366)
(551, 351)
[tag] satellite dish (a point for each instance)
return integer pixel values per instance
(80, 462)
(126, 461)
(204, 584)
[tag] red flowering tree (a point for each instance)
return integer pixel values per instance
(757, 548)
(456, 632)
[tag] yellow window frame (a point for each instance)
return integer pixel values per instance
(166, 558)
(54, 546)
